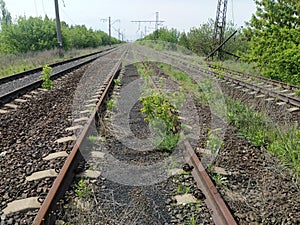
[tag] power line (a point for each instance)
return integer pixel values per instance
(232, 11)
(156, 21)
(44, 7)
(36, 11)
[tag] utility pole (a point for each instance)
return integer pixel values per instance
(220, 23)
(219, 32)
(109, 28)
(58, 29)
(156, 21)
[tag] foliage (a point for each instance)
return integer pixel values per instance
(219, 179)
(274, 36)
(110, 104)
(36, 33)
(160, 107)
(117, 81)
(164, 34)
(46, 74)
(82, 189)
(92, 138)
(5, 17)
(214, 143)
(285, 143)
(157, 105)
(182, 189)
(199, 40)
(297, 92)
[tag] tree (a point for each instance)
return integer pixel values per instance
(274, 35)
(5, 16)
(36, 33)
(201, 39)
(183, 40)
(164, 34)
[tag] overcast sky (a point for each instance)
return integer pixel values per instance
(180, 14)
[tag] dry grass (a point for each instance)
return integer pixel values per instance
(11, 64)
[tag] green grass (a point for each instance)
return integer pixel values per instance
(92, 138)
(82, 189)
(219, 179)
(255, 126)
(110, 104)
(252, 125)
(182, 189)
(239, 66)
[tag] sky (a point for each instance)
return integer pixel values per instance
(180, 14)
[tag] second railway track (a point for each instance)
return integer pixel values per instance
(13, 86)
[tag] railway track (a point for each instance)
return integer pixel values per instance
(49, 181)
(59, 177)
(34, 139)
(261, 87)
(219, 210)
(18, 84)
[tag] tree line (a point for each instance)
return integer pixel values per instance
(271, 39)
(37, 33)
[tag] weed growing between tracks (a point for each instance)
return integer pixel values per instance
(160, 107)
(46, 74)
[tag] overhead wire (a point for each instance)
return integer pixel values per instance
(44, 7)
(36, 11)
(232, 8)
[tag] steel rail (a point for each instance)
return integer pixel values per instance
(269, 92)
(39, 69)
(9, 96)
(219, 210)
(270, 81)
(66, 174)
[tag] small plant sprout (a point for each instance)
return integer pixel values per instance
(110, 104)
(92, 138)
(192, 221)
(182, 189)
(82, 189)
(297, 92)
(91, 109)
(117, 81)
(219, 179)
(46, 74)
(214, 143)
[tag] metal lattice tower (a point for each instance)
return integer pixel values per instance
(220, 24)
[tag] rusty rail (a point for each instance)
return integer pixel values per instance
(269, 92)
(268, 80)
(220, 212)
(65, 176)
